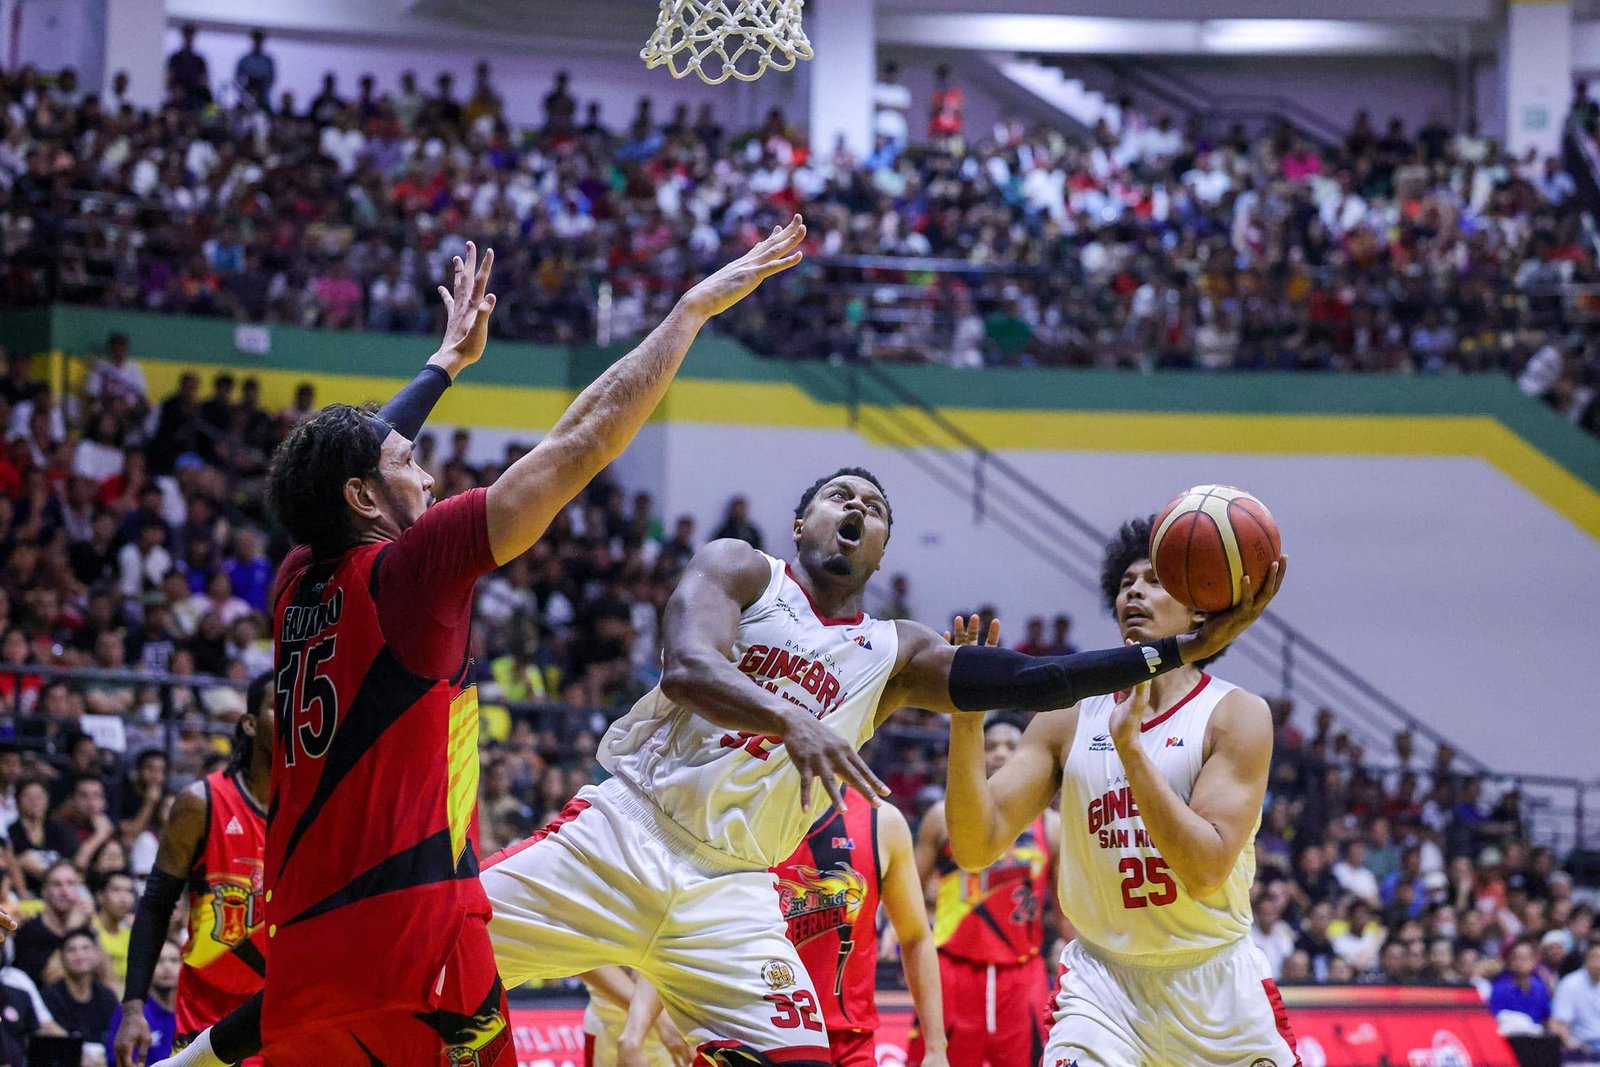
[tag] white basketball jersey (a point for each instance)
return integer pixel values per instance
(739, 793)
(1115, 888)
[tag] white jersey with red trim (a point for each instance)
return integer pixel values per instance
(739, 793)
(1120, 895)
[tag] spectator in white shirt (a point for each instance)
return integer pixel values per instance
(1273, 936)
(99, 455)
(116, 378)
(144, 562)
(1575, 1012)
(1352, 874)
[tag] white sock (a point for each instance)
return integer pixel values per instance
(198, 1054)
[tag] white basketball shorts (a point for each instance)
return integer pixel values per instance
(613, 881)
(1223, 1012)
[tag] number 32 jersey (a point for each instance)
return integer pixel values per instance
(740, 793)
(1115, 887)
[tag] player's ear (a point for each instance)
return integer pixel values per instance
(799, 524)
(248, 725)
(358, 494)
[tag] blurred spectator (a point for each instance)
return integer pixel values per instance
(66, 909)
(891, 104)
(256, 72)
(736, 524)
(945, 121)
(113, 921)
(188, 78)
(1519, 989)
(1575, 1011)
(117, 380)
(80, 1002)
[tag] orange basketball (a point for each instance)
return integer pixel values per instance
(1207, 539)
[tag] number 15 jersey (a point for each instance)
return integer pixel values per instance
(1115, 887)
(739, 793)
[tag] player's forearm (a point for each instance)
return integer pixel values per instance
(984, 678)
(972, 818)
(1191, 846)
(705, 682)
(151, 919)
(612, 983)
(643, 1007)
(921, 962)
(592, 433)
(408, 409)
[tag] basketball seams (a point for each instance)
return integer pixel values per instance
(1221, 561)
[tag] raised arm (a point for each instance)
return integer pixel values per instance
(698, 633)
(605, 417)
(180, 846)
(1201, 840)
(932, 673)
(901, 892)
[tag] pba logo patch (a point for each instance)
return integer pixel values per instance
(777, 974)
(846, 843)
(1177, 742)
(863, 642)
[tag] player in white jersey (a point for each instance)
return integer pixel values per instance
(1160, 800)
(773, 677)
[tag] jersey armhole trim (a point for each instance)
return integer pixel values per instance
(770, 592)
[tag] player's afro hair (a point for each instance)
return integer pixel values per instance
(1130, 544)
(243, 744)
(305, 485)
(844, 472)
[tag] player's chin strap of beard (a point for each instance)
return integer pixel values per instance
(984, 678)
(408, 409)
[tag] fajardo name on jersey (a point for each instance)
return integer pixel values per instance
(1110, 807)
(302, 621)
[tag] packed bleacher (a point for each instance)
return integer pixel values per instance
(131, 527)
(1139, 245)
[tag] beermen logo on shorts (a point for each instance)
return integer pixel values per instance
(777, 974)
(1262, 1061)
(481, 1042)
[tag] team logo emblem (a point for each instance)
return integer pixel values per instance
(777, 974)
(1177, 742)
(233, 909)
(481, 1042)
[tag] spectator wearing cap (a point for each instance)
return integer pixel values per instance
(117, 381)
(1575, 1011)
(1554, 948)
(1519, 988)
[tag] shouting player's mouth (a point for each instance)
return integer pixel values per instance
(850, 531)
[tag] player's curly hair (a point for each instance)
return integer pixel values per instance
(845, 472)
(1130, 544)
(305, 484)
(243, 744)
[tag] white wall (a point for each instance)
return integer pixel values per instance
(521, 77)
(1441, 581)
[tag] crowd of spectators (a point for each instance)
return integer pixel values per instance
(131, 531)
(1144, 244)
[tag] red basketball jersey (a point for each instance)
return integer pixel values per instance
(995, 916)
(223, 961)
(371, 861)
(828, 892)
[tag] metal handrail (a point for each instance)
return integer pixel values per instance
(1301, 659)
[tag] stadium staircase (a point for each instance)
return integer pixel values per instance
(1057, 535)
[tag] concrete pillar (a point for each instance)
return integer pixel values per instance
(844, 36)
(1537, 51)
(136, 42)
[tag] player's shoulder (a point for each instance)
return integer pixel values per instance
(1242, 716)
(734, 565)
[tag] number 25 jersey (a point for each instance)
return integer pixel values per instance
(1115, 887)
(739, 793)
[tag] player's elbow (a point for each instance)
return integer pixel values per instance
(974, 852)
(682, 676)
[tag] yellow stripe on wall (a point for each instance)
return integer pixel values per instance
(735, 403)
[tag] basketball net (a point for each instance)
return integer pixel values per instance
(721, 39)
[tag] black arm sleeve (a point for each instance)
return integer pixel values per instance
(984, 678)
(237, 1036)
(149, 933)
(408, 409)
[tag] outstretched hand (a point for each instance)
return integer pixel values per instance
(468, 305)
(966, 632)
(737, 280)
(1219, 631)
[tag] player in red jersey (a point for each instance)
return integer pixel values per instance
(377, 943)
(989, 926)
(212, 845)
(829, 892)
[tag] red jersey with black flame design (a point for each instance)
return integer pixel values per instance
(996, 915)
(828, 893)
(223, 961)
(371, 861)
